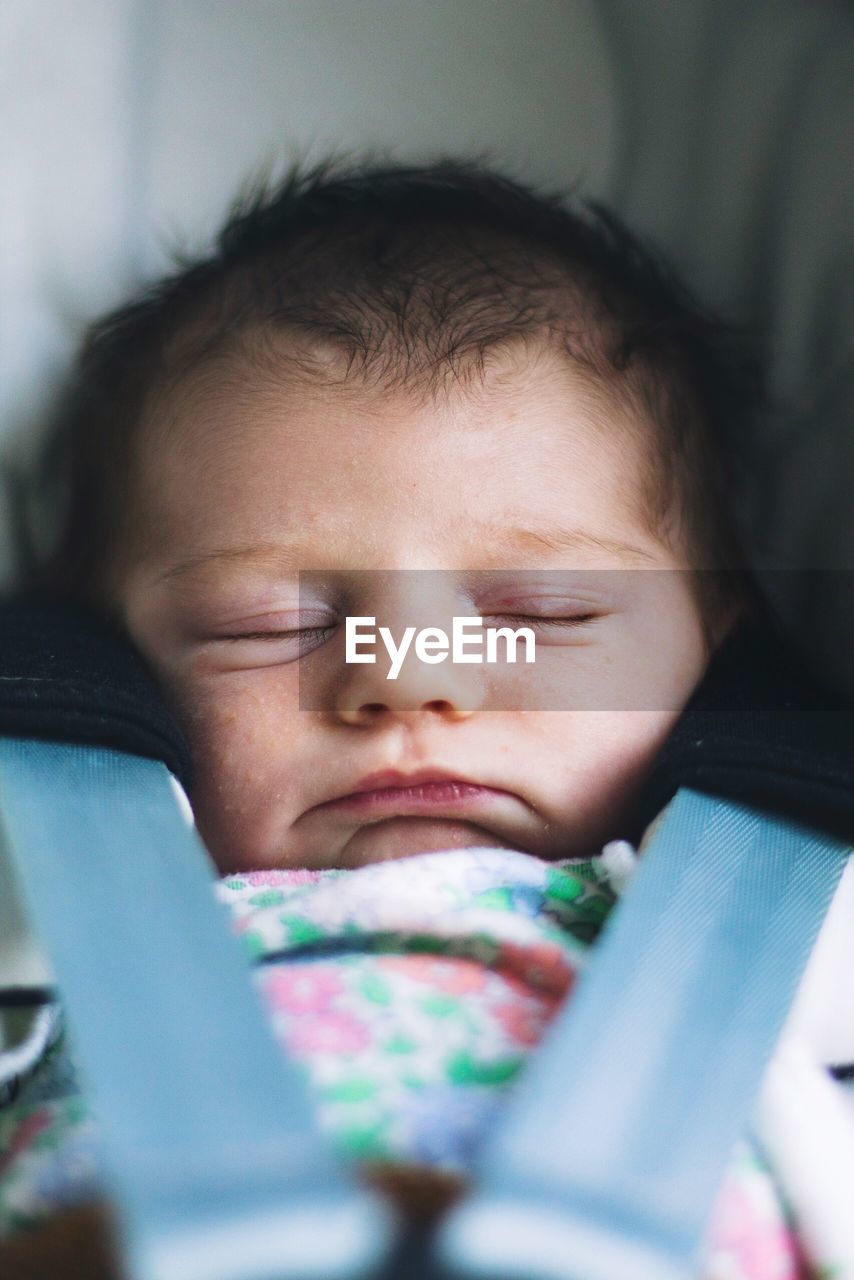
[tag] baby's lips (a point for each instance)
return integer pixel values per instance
(429, 799)
(403, 780)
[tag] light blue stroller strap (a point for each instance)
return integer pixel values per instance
(211, 1153)
(607, 1160)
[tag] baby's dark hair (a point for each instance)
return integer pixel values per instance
(414, 277)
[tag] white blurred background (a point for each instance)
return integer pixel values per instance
(721, 127)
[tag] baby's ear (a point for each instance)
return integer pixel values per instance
(732, 614)
(734, 609)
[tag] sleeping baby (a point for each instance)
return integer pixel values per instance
(406, 395)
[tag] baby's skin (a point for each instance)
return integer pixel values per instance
(526, 469)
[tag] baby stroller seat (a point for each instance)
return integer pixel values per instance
(594, 1172)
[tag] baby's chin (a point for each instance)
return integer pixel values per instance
(401, 837)
(384, 841)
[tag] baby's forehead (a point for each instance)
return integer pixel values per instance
(524, 422)
(254, 452)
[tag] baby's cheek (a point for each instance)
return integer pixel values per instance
(600, 761)
(243, 743)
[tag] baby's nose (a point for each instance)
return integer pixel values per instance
(405, 686)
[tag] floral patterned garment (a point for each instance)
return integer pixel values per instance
(411, 992)
(415, 988)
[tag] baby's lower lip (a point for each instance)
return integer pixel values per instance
(425, 797)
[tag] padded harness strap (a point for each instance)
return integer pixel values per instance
(209, 1141)
(606, 1162)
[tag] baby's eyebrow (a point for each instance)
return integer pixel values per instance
(552, 538)
(274, 554)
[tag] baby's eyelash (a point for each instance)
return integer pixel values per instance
(535, 621)
(307, 633)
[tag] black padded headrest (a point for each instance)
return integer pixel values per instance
(68, 675)
(762, 729)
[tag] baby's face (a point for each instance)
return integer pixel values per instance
(245, 480)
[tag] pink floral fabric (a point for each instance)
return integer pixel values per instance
(412, 991)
